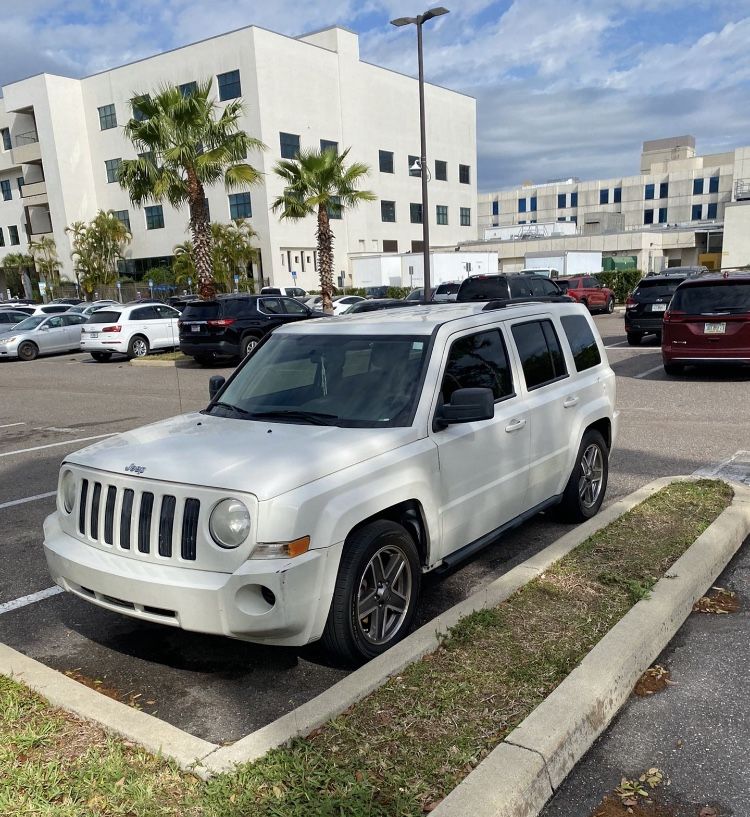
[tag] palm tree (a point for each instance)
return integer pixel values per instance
(44, 253)
(184, 144)
(318, 183)
(18, 264)
(111, 236)
(184, 262)
(233, 249)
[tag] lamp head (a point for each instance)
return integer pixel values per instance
(416, 166)
(436, 12)
(403, 21)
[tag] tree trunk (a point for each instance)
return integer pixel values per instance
(325, 258)
(201, 237)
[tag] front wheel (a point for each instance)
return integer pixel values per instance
(584, 493)
(28, 350)
(634, 338)
(610, 305)
(375, 597)
(138, 346)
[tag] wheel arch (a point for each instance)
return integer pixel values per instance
(410, 515)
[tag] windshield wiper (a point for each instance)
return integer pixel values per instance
(231, 407)
(313, 417)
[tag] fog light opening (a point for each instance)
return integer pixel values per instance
(268, 595)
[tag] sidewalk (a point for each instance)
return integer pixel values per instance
(695, 732)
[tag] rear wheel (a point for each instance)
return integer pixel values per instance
(101, 357)
(611, 305)
(138, 346)
(674, 368)
(585, 490)
(248, 343)
(376, 592)
(28, 350)
(634, 338)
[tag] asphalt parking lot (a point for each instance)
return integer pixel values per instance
(220, 689)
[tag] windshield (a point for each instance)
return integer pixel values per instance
(30, 323)
(356, 381)
(712, 298)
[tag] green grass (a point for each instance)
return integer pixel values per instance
(166, 356)
(406, 745)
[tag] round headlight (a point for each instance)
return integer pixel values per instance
(68, 491)
(229, 523)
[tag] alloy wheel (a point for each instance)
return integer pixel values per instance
(384, 595)
(592, 472)
(140, 349)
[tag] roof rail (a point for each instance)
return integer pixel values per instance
(502, 303)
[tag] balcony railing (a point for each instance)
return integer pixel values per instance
(742, 190)
(27, 138)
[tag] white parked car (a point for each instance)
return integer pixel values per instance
(341, 461)
(130, 329)
(293, 292)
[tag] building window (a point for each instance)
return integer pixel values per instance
(574, 219)
(648, 216)
(390, 246)
(465, 215)
(417, 246)
(19, 184)
(662, 215)
(604, 195)
(442, 213)
(229, 85)
(533, 204)
(496, 208)
(5, 189)
(188, 88)
(122, 216)
(13, 235)
(386, 161)
(617, 197)
(2, 238)
(387, 210)
(412, 161)
(648, 192)
(415, 213)
(664, 190)
(561, 201)
(107, 117)
(112, 166)
(154, 217)
(289, 143)
(334, 208)
(135, 104)
(327, 144)
(697, 187)
(713, 184)
(561, 218)
(7, 145)
(522, 205)
(712, 211)
(697, 211)
(240, 206)
(464, 174)
(441, 170)
(574, 199)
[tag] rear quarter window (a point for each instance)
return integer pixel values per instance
(201, 311)
(582, 341)
(483, 289)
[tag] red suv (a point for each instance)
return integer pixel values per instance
(590, 292)
(708, 321)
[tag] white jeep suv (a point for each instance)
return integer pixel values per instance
(340, 462)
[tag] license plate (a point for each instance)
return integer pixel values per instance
(195, 328)
(715, 328)
(93, 334)
(658, 307)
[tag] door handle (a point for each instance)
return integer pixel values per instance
(515, 425)
(569, 402)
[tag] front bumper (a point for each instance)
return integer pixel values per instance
(229, 604)
(9, 349)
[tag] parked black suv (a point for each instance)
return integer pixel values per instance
(502, 287)
(232, 325)
(646, 305)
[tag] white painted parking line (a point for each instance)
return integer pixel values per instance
(649, 371)
(53, 445)
(30, 599)
(26, 499)
(615, 345)
(10, 425)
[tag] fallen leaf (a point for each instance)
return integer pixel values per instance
(707, 811)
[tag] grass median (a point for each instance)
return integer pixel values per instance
(399, 751)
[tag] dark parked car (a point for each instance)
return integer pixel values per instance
(646, 305)
(232, 325)
(708, 321)
(375, 304)
(504, 287)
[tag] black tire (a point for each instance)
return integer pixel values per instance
(247, 344)
(610, 306)
(101, 357)
(634, 338)
(138, 347)
(575, 505)
(28, 351)
(658, 338)
(347, 634)
(674, 369)
(584, 302)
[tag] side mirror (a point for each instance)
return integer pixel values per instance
(44, 328)
(215, 385)
(466, 406)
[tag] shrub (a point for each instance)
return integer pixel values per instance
(621, 282)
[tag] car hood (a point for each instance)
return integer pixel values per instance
(262, 458)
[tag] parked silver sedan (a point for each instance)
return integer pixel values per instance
(42, 335)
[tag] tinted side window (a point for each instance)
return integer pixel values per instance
(520, 286)
(145, 313)
(591, 283)
(55, 323)
(541, 286)
(539, 349)
(293, 307)
(478, 361)
(483, 289)
(582, 342)
(272, 306)
(167, 312)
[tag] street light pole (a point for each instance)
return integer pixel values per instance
(419, 21)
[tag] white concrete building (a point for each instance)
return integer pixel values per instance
(61, 140)
(407, 269)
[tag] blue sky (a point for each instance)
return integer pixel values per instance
(563, 88)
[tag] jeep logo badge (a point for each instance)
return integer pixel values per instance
(135, 469)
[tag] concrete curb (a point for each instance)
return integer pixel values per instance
(554, 737)
(168, 363)
(152, 733)
(374, 674)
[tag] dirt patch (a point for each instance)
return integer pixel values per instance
(718, 601)
(655, 679)
(133, 699)
(612, 807)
